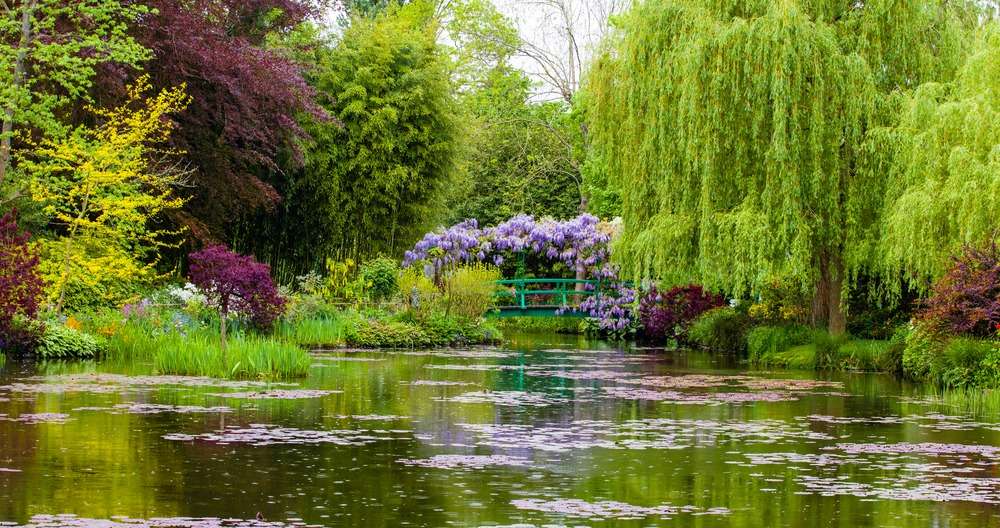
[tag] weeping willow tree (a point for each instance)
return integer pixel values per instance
(734, 129)
(943, 162)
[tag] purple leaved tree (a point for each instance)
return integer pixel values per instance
(670, 314)
(236, 284)
(966, 300)
(20, 284)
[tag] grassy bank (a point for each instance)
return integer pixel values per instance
(915, 350)
(559, 325)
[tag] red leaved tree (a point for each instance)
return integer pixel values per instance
(966, 301)
(20, 285)
(236, 284)
(246, 98)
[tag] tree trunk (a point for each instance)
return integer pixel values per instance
(19, 75)
(828, 308)
(837, 323)
(222, 333)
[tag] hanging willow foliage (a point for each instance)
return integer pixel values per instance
(944, 169)
(734, 129)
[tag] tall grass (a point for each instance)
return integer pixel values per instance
(313, 332)
(200, 354)
(244, 358)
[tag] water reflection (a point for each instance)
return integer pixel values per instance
(552, 430)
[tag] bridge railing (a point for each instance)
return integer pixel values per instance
(520, 290)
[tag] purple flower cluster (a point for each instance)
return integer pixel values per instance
(613, 309)
(578, 243)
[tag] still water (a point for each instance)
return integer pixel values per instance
(546, 431)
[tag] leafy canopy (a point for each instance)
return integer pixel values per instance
(103, 188)
(373, 181)
(733, 130)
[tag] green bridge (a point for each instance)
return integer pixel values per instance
(544, 297)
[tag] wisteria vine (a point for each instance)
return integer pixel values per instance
(581, 244)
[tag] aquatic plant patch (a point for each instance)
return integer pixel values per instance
(460, 354)
(36, 418)
(347, 359)
(277, 394)
(476, 367)
(465, 461)
(603, 510)
(72, 521)
(956, 489)
(650, 433)
(926, 448)
(436, 383)
(265, 434)
(372, 417)
(156, 408)
(113, 383)
(506, 398)
(604, 375)
(708, 398)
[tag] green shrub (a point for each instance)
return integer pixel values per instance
(766, 341)
(827, 350)
(989, 369)
(470, 291)
(870, 355)
(418, 293)
(61, 342)
(559, 325)
(373, 333)
(380, 277)
(723, 329)
(965, 362)
(922, 350)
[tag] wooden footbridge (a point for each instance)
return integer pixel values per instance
(544, 297)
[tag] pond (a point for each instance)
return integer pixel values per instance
(548, 430)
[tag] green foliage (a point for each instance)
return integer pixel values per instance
(407, 331)
(722, 329)
(61, 342)
(558, 325)
(419, 294)
(374, 177)
(870, 355)
(323, 332)
(942, 169)
(922, 352)
(197, 352)
(733, 130)
(49, 64)
(380, 277)
(470, 291)
(373, 333)
(968, 362)
(764, 342)
(342, 282)
(245, 357)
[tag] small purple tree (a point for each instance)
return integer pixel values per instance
(966, 300)
(669, 314)
(20, 283)
(236, 284)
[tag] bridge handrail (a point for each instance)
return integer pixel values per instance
(563, 289)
